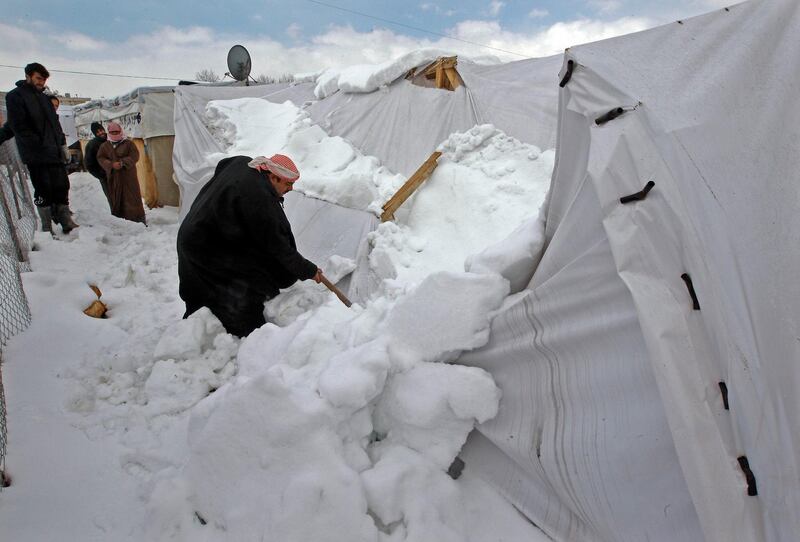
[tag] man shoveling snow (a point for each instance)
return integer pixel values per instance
(235, 246)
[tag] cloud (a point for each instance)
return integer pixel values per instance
(605, 6)
(537, 13)
(75, 41)
(436, 9)
(294, 31)
(495, 6)
(179, 53)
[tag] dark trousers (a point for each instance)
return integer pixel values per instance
(50, 184)
(240, 321)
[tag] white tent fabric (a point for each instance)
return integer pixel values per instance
(613, 423)
(519, 98)
(144, 112)
(401, 124)
(66, 118)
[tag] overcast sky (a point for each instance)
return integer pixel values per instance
(174, 39)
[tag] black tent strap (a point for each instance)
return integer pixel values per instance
(688, 280)
(640, 195)
(611, 115)
(568, 75)
(752, 489)
(724, 389)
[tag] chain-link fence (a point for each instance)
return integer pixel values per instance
(17, 224)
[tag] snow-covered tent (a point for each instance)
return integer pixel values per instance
(650, 368)
(146, 115)
(398, 122)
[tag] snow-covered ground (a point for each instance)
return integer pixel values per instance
(331, 424)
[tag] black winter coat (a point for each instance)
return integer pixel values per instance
(235, 244)
(35, 124)
(90, 158)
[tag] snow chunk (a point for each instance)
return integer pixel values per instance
(280, 465)
(194, 357)
(355, 377)
(445, 314)
(432, 407)
(515, 258)
(190, 337)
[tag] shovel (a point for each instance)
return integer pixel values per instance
(335, 290)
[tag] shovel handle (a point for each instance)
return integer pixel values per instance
(335, 290)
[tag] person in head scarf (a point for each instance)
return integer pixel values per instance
(236, 249)
(90, 157)
(118, 157)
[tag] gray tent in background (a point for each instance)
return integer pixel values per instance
(146, 115)
(650, 369)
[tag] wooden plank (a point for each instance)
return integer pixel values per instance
(453, 78)
(441, 80)
(430, 71)
(409, 187)
(449, 61)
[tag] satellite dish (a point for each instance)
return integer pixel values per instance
(239, 63)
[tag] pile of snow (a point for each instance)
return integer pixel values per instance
(330, 168)
(335, 413)
(487, 185)
(327, 423)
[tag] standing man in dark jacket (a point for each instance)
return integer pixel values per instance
(235, 246)
(90, 157)
(41, 144)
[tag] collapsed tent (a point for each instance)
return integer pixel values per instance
(649, 370)
(146, 116)
(400, 123)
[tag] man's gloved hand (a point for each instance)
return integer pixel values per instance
(65, 156)
(318, 276)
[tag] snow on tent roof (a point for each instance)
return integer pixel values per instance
(144, 112)
(401, 124)
(649, 371)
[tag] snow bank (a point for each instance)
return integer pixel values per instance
(487, 185)
(298, 447)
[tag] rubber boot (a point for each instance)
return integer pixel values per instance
(46, 216)
(64, 217)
